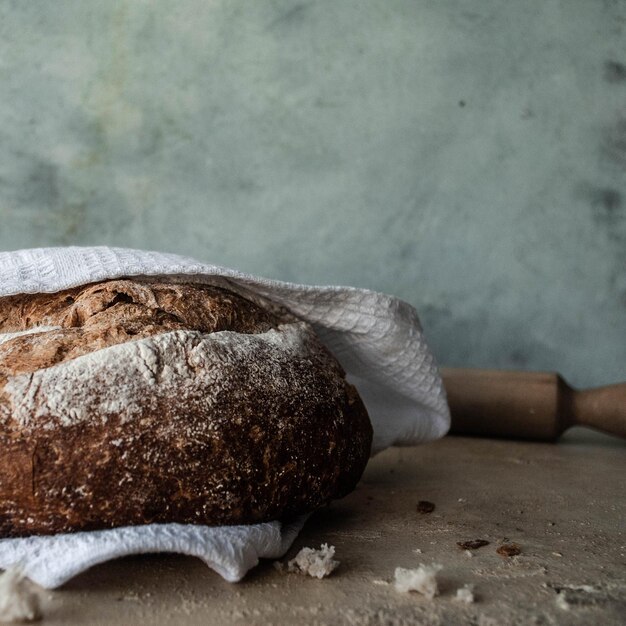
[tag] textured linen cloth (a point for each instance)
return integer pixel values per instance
(377, 338)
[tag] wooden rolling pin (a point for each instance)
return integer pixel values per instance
(529, 405)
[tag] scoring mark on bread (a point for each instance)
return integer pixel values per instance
(86, 319)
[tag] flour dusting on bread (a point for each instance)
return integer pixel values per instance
(137, 375)
(30, 331)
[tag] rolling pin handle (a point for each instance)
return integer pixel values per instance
(602, 408)
(529, 405)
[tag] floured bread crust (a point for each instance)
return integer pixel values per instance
(125, 403)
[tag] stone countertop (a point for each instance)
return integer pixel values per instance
(562, 504)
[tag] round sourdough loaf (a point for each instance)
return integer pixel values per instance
(132, 402)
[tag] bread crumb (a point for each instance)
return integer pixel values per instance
(315, 563)
(465, 594)
(569, 596)
(424, 506)
(468, 553)
(561, 601)
(423, 579)
(18, 600)
(509, 549)
(417, 551)
(378, 581)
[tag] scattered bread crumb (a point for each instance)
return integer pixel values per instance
(378, 581)
(424, 506)
(18, 600)
(417, 551)
(569, 596)
(561, 601)
(315, 563)
(468, 553)
(423, 579)
(465, 594)
(509, 549)
(473, 544)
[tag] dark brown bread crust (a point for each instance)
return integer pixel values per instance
(277, 432)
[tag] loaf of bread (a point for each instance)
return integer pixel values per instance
(133, 402)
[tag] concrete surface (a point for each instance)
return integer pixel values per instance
(563, 504)
(466, 155)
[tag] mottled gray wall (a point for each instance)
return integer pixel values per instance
(467, 155)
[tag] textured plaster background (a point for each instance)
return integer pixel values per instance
(466, 155)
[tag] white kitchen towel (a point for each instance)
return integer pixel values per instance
(377, 338)
(229, 550)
